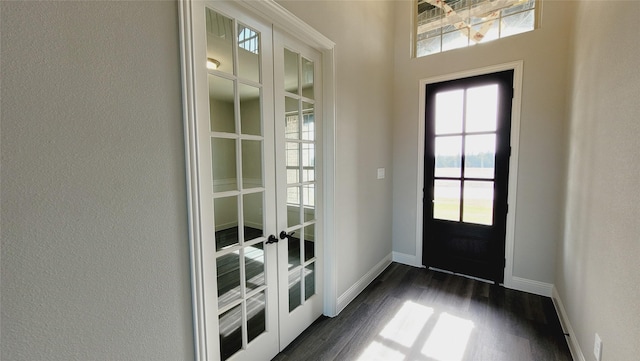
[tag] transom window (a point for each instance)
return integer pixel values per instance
(443, 25)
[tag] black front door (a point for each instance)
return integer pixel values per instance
(466, 171)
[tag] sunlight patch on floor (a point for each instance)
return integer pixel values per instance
(448, 339)
(406, 325)
(379, 352)
(410, 333)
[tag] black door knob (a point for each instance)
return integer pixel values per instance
(284, 235)
(272, 239)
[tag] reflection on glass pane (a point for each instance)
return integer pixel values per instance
(225, 212)
(307, 78)
(253, 216)
(254, 265)
(250, 115)
(480, 154)
(293, 243)
(230, 332)
(488, 30)
(294, 289)
(431, 23)
(461, 8)
(223, 158)
(219, 42)
(293, 206)
(256, 315)
(520, 7)
(292, 154)
(251, 164)
(309, 280)
(292, 124)
(248, 53)
(309, 242)
(447, 28)
(308, 122)
(482, 108)
(309, 196)
(475, 20)
(477, 205)
(446, 200)
(290, 71)
(308, 162)
(448, 154)
(221, 110)
(455, 40)
(449, 112)
(428, 46)
(228, 267)
(518, 23)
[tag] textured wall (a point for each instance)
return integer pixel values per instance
(95, 260)
(598, 276)
(363, 33)
(542, 128)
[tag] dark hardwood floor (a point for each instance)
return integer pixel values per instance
(409, 313)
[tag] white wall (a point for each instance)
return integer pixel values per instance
(363, 33)
(598, 271)
(95, 252)
(541, 162)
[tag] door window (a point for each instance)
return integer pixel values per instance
(465, 148)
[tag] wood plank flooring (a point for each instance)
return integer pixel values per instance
(409, 313)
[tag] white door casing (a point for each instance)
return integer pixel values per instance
(199, 137)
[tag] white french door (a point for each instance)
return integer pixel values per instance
(298, 112)
(257, 96)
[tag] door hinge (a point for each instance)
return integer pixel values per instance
(504, 263)
(513, 93)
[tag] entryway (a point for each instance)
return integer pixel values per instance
(466, 174)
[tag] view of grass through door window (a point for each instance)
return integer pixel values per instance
(465, 148)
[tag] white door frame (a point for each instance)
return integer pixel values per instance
(285, 20)
(517, 67)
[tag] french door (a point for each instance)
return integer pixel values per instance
(257, 97)
(467, 149)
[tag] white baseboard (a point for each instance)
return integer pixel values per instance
(353, 291)
(408, 259)
(527, 285)
(572, 341)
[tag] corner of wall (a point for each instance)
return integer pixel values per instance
(572, 341)
(355, 289)
(530, 286)
(408, 259)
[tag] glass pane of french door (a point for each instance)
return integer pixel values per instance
(240, 186)
(299, 131)
(298, 98)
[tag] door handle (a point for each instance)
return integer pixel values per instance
(272, 239)
(284, 234)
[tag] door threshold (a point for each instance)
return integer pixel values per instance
(464, 275)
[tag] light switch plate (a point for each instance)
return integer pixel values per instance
(380, 173)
